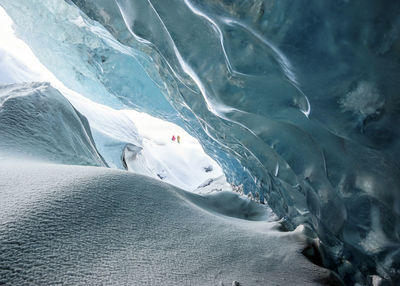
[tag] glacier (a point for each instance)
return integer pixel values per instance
(296, 101)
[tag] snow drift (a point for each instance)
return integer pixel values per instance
(86, 225)
(38, 123)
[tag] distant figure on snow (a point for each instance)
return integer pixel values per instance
(173, 138)
(178, 139)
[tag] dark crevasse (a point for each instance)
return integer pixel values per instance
(298, 99)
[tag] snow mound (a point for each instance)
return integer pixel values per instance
(85, 225)
(37, 122)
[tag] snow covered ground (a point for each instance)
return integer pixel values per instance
(81, 225)
(183, 164)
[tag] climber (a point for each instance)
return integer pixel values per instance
(173, 138)
(178, 139)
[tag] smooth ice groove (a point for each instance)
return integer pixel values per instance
(298, 101)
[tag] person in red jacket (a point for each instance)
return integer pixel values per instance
(173, 138)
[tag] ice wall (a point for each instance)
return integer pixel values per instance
(304, 94)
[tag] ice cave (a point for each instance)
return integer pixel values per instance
(200, 142)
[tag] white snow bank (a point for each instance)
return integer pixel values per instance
(183, 164)
(37, 122)
(86, 225)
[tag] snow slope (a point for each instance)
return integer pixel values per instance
(183, 164)
(37, 122)
(85, 225)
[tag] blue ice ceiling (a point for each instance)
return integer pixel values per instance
(297, 99)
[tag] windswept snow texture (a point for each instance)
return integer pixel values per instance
(300, 96)
(96, 226)
(37, 122)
